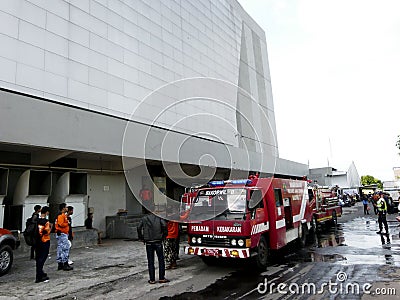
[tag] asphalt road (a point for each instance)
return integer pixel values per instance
(349, 257)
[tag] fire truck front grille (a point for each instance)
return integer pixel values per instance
(216, 242)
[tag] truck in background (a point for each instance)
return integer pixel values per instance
(325, 205)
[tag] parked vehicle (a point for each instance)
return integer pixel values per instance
(9, 241)
(326, 207)
(251, 217)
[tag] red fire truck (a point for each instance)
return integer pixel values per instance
(325, 205)
(244, 218)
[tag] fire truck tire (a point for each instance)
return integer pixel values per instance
(314, 225)
(209, 261)
(302, 240)
(312, 232)
(262, 254)
(334, 218)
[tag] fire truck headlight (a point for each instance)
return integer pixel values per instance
(233, 242)
(199, 240)
(240, 243)
(194, 240)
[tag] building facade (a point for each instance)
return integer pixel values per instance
(180, 90)
(329, 176)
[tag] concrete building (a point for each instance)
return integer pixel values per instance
(329, 176)
(180, 89)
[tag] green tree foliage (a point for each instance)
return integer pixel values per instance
(368, 179)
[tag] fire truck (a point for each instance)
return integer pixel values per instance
(325, 204)
(250, 217)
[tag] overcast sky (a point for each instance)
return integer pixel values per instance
(335, 69)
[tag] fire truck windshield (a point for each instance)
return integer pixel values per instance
(220, 203)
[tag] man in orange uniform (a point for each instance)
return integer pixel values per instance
(62, 229)
(170, 245)
(147, 198)
(43, 245)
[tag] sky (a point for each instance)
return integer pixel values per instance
(335, 73)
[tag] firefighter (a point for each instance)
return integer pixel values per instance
(382, 211)
(146, 195)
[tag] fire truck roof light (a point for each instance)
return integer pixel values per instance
(241, 181)
(217, 183)
(233, 182)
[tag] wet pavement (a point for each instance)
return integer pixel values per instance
(353, 258)
(352, 255)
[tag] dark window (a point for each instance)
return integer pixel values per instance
(256, 199)
(278, 197)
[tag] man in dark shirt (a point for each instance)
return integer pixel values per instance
(35, 217)
(70, 212)
(152, 230)
(89, 221)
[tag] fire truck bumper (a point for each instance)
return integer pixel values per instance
(218, 252)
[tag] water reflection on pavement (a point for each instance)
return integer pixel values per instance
(352, 248)
(362, 243)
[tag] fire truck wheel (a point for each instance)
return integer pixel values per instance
(302, 235)
(209, 261)
(334, 218)
(314, 225)
(263, 252)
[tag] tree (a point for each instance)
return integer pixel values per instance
(368, 179)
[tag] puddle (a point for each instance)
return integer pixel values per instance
(315, 257)
(356, 242)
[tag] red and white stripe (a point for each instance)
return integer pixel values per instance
(261, 227)
(225, 252)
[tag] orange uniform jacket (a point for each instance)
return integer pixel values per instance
(62, 224)
(44, 232)
(173, 230)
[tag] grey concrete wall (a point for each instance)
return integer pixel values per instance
(107, 194)
(103, 134)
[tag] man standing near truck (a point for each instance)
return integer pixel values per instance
(365, 203)
(382, 211)
(152, 230)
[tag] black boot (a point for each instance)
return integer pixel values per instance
(60, 266)
(67, 267)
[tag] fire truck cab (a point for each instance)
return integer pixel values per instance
(250, 217)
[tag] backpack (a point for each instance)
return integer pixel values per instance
(31, 232)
